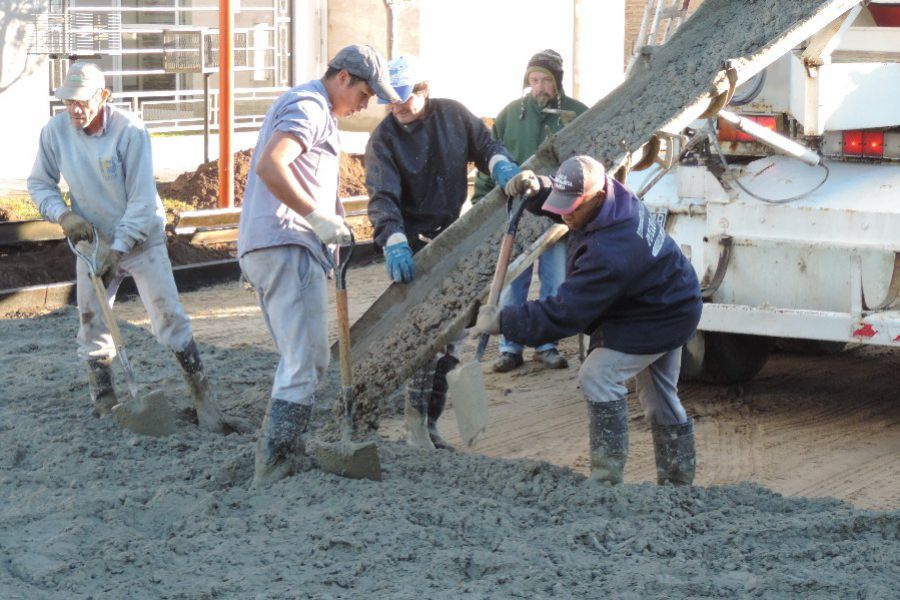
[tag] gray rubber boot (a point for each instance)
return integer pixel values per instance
(280, 440)
(103, 396)
(415, 410)
(609, 439)
(209, 415)
(438, 400)
(676, 456)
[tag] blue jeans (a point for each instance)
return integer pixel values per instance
(551, 272)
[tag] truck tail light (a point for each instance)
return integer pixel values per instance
(862, 144)
(873, 143)
(886, 15)
(728, 133)
(853, 141)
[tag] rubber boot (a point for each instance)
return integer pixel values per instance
(103, 396)
(415, 410)
(609, 440)
(438, 400)
(280, 440)
(209, 415)
(676, 456)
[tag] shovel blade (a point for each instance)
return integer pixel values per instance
(149, 415)
(466, 389)
(349, 459)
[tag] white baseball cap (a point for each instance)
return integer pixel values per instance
(82, 81)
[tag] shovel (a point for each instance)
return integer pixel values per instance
(345, 457)
(151, 415)
(466, 383)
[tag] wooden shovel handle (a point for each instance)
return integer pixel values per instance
(343, 322)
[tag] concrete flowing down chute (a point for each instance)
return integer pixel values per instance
(722, 45)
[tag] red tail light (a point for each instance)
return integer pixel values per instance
(863, 143)
(728, 133)
(886, 15)
(873, 143)
(853, 141)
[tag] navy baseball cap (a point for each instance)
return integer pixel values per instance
(578, 179)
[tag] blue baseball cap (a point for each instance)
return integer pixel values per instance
(405, 73)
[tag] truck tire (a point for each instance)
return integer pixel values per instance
(727, 358)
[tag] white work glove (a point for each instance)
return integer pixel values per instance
(331, 229)
(524, 183)
(488, 321)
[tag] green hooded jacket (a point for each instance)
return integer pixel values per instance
(521, 134)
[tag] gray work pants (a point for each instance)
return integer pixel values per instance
(152, 273)
(291, 288)
(605, 371)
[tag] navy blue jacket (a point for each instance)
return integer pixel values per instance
(627, 284)
(416, 174)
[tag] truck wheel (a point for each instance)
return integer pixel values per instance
(728, 358)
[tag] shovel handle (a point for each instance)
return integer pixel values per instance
(343, 323)
(507, 243)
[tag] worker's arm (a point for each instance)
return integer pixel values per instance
(384, 189)
(488, 154)
(483, 182)
(594, 284)
(141, 217)
(43, 183)
(273, 167)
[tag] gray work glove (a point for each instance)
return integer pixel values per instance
(331, 229)
(76, 227)
(525, 183)
(109, 266)
(488, 321)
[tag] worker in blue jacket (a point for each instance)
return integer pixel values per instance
(630, 288)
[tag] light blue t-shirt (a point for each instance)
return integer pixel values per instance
(304, 112)
(110, 177)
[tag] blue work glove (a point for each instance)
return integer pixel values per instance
(400, 265)
(503, 171)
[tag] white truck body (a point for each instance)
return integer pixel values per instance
(827, 265)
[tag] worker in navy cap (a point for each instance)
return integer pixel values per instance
(628, 286)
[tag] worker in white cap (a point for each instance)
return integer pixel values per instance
(104, 155)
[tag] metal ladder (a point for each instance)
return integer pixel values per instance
(661, 19)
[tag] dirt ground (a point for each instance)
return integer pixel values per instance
(90, 511)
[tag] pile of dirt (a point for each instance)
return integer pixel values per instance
(89, 510)
(54, 262)
(200, 188)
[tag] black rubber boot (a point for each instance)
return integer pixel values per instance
(280, 440)
(415, 410)
(438, 400)
(209, 415)
(676, 456)
(103, 396)
(609, 440)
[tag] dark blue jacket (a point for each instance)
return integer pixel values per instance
(416, 174)
(627, 284)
